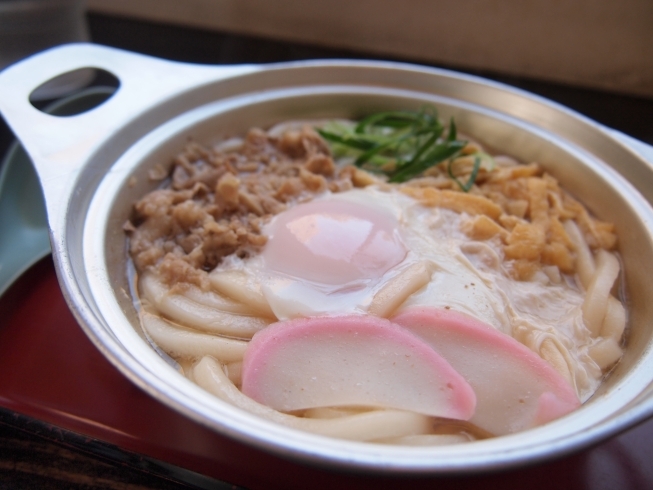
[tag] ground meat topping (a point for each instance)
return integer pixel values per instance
(218, 200)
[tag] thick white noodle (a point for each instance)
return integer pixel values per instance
(595, 304)
(603, 314)
(243, 288)
(585, 266)
(555, 353)
(215, 300)
(196, 315)
(234, 371)
(605, 352)
(399, 288)
(179, 342)
(365, 426)
(614, 322)
(187, 366)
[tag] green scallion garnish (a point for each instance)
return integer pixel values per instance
(400, 144)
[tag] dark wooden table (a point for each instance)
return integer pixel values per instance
(37, 453)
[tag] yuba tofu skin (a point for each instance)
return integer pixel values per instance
(515, 388)
(351, 361)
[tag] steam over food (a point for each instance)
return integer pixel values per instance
(385, 280)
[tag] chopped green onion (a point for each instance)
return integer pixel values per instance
(400, 144)
(472, 177)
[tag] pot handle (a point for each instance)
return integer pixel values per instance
(59, 146)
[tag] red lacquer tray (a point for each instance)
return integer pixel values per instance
(50, 371)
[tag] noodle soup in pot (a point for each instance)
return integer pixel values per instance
(356, 284)
(387, 280)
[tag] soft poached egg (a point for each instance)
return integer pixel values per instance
(331, 255)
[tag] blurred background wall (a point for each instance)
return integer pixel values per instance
(601, 44)
(594, 56)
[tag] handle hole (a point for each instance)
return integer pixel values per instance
(68, 84)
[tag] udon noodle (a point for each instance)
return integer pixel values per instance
(510, 261)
